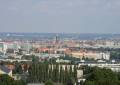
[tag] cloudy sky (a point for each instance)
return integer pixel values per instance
(60, 16)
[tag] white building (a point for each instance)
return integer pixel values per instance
(91, 55)
(3, 47)
(112, 66)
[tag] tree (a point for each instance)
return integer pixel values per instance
(61, 75)
(49, 82)
(50, 71)
(75, 72)
(6, 80)
(35, 59)
(102, 77)
(18, 68)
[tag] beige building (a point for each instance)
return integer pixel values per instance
(91, 55)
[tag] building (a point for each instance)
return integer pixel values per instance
(3, 46)
(62, 61)
(113, 66)
(91, 55)
(5, 70)
(79, 74)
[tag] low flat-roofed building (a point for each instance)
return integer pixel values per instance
(91, 55)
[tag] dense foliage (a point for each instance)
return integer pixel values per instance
(103, 76)
(6, 80)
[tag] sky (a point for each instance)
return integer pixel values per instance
(60, 16)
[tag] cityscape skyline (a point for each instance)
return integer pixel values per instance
(59, 42)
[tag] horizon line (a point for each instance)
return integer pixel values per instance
(59, 33)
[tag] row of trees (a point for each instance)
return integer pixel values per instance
(42, 72)
(102, 76)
